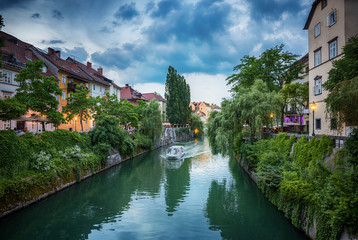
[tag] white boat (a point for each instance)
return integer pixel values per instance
(175, 152)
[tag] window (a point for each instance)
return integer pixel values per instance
(333, 123)
(63, 79)
(332, 18)
(87, 85)
(33, 124)
(333, 49)
(6, 77)
(317, 57)
(44, 69)
(317, 30)
(318, 123)
(7, 125)
(318, 85)
(323, 4)
(63, 96)
(94, 87)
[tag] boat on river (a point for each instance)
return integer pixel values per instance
(175, 152)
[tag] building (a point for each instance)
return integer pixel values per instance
(203, 109)
(330, 24)
(71, 77)
(162, 101)
(128, 93)
(292, 120)
(15, 55)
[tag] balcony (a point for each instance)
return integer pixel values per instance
(71, 87)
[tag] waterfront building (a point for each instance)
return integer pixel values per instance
(162, 102)
(15, 54)
(292, 119)
(330, 24)
(128, 93)
(203, 109)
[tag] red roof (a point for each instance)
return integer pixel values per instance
(151, 96)
(127, 92)
(17, 53)
(66, 66)
(304, 59)
(89, 71)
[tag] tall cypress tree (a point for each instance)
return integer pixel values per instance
(177, 93)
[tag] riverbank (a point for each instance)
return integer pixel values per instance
(25, 191)
(307, 180)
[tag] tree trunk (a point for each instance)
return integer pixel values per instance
(43, 126)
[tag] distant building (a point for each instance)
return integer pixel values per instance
(128, 93)
(330, 24)
(162, 101)
(203, 109)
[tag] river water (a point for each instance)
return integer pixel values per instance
(204, 196)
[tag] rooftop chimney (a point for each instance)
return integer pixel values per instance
(100, 70)
(89, 65)
(127, 85)
(58, 53)
(50, 51)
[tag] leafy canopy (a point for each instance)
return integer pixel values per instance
(38, 92)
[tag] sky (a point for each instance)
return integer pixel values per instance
(136, 41)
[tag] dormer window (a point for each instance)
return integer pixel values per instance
(323, 4)
(44, 69)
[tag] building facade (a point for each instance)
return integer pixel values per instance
(330, 24)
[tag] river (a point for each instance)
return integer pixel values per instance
(204, 196)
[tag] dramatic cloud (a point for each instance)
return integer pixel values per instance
(36, 15)
(126, 12)
(57, 14)
(136, 41)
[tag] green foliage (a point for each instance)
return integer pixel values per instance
(352, 148)
(196, 125)
(143, 141)
(342, 85)
(274, 66)
(177, 93)
(107, 130)
(38, 92)
(78, 104)
(151, 122)
(11, 108)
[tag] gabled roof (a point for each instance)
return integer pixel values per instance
(90, 72)
(62, 64)
(310, 15)
(127, 92)
(17, 53)
(151, 96)
(304, 59)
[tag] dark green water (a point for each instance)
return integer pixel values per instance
(201, 197)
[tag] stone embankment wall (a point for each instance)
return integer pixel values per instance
(37, 193)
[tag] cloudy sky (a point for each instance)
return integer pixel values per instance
(135, 41)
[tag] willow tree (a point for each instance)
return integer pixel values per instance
(151, 123)
(342, 85)
(177, 93)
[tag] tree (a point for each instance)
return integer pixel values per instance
(297, 95)
(196, 125)
(11, 108)
(151, 123)
(274, 67)
(342, 85)
(177, 93)
(78, 104)
(256, 104)
(38, 92)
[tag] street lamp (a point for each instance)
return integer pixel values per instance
(313, 107)
(271, 116)
(75, 123)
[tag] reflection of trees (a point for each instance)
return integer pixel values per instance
(240, 211)
(177, 185)
(74, 212)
